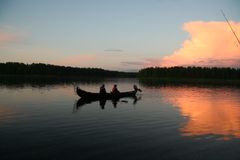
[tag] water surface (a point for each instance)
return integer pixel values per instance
(165, 122)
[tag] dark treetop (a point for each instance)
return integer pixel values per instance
(191, 72)
(15, 68)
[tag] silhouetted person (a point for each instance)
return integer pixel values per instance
(115, 90)
(102, 89)
(136, 88)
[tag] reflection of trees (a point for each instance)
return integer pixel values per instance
(208, 111)
(82, 102)
(43, 81)
(153, 82)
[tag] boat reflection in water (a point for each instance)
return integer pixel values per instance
(208, 111)
(83, 101)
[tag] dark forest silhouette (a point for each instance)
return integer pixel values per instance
(15, 68)
(190, 72)
(168, 73)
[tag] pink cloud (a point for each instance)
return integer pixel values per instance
(10, 34)
(7, 37)
(209, 44)
(83, 60)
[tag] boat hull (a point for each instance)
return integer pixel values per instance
(97, 96)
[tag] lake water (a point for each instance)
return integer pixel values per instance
(164, 122)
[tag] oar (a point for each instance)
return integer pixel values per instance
(125, 101)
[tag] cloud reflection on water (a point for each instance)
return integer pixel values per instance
(209, 111)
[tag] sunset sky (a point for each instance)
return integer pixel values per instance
(120, 34)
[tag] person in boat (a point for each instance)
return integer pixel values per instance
(115, 90)
(136, 88)
(102, 89)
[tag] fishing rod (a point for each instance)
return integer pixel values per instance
(230, 27)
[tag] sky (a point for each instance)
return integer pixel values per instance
(125, 35)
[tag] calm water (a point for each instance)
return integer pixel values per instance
(165, 122)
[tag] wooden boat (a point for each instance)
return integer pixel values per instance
(82, 101)
(97, 96)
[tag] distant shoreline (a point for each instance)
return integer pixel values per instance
(190, 73)
(40, 69)
(14, 72)
(155, 76)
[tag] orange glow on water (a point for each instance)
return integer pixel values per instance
(207, 111)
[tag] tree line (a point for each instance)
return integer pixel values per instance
(15, 68)
(190, 72)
